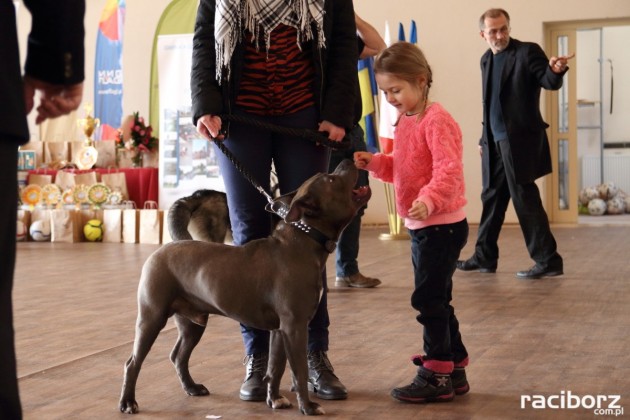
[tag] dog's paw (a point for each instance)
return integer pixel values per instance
(128, 406)
(311, 408)
(279, 402)
(197, 390)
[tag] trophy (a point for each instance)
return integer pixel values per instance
(86, 158)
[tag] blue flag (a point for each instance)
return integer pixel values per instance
(413, 35)
(401, 32)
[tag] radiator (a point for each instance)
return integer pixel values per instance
(616, 169)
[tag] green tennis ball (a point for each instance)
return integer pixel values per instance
(93, 230)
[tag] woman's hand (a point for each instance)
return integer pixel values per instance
(209, 126)
(335, 133)
(361, 159)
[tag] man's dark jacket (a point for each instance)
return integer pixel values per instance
(55, 55)
(525, 72)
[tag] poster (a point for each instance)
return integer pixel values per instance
(187, 160)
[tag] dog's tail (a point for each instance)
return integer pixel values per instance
(211, 208)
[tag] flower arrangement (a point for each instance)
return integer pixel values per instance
(137, 137)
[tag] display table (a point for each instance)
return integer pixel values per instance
(142, 183)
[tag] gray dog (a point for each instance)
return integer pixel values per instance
(273, 284)
(202, 215)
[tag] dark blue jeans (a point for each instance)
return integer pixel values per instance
(348, 245)
(295, 160)
(434, 253)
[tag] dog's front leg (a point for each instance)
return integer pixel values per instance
(295, 345)
(275, 370)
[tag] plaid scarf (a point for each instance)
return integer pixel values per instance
(232, 16)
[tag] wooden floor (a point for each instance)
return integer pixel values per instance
(75, 311)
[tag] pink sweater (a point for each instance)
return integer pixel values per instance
(425, 165)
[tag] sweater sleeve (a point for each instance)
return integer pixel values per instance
(56, 50)
(381, 167)
(205, 90)
(538, 65)
(444, 139)
(341, 78)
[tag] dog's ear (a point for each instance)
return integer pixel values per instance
(304, 204)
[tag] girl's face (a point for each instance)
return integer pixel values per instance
(404, 96)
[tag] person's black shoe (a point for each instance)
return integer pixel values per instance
(426, 387)
(254, 387)
(538, 271)
(321, 379)
(472, 265)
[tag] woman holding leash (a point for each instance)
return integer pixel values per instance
(427, 172)
(290, 64)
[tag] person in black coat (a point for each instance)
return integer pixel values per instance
(55, 69)
(514, 146)
(291, 64)
(369, 43)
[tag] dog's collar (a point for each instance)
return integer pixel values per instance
(328, 244)
(282, 210)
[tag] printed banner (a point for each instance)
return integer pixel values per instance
(187, 160)
(108, 76)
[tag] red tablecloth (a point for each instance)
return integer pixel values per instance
(142, 183)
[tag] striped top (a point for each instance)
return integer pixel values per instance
(279, 80)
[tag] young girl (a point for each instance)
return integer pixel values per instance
(427, 172)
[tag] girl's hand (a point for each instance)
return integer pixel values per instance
(361, 159)
(209, 127)
(418, 210)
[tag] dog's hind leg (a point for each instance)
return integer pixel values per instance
(275, 370)
(148, 326)
(189, 335)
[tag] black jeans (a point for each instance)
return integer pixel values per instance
(434, 254)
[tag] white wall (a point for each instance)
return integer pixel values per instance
(447, 32)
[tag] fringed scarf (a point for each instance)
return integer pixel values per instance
(256, 16)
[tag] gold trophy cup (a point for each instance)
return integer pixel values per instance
(86, 158)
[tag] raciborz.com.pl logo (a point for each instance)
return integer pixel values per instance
(601, 405)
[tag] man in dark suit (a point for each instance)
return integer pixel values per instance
(55, 69)
(514, 146)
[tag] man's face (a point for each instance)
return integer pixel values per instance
(496, 33)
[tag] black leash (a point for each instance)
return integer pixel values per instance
(241, 169)
(318, 137)
(278, 207)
